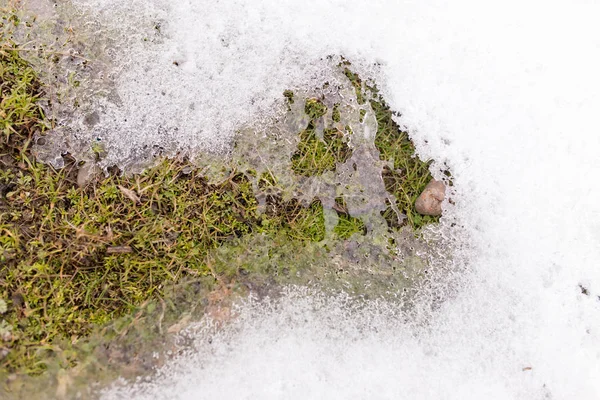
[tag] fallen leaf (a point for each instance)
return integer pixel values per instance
(130, 194)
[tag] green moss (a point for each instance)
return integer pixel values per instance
(20, 114)
(314, 108)
(289, 95)
(336, 143)
(297, 222)
(307, 224)
(347, 225)
(357, 83)
(266, 180)
(335, 113)
(362, 115)
(316, 156)
(409, 175)
(83, 257)
(75, 258)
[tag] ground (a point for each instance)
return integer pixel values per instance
(87, 264)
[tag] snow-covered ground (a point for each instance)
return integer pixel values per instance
(505, 93)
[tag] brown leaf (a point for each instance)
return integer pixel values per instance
(130, 194)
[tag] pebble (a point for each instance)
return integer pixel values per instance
(430, 201)
(86, 173)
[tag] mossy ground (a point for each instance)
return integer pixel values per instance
(316, 156)
(347, 225)
(72, 259)
(409, 175)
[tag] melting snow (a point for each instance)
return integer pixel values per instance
(506, 93)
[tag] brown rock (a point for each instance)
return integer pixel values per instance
(430, 201)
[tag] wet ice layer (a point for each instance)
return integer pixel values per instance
(504, 93)
(141, 86)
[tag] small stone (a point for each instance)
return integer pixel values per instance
(430, 201)
(86, 173)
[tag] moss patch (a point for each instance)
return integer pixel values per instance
(315, 156)
(409, 175)
(335, 113)
(357, 83)
(314, 108)
(347, 225)
(289, 95)
(20, 115)
(76, 258)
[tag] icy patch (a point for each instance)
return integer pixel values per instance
(306, 345)
(176, 77)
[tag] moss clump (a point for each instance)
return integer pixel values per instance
(20, 114)
(362, 115)
(347, 225)
(335, 113)
(289, 95)
(83, 257)
(409, 175)
(75, 258)
(314, 108)
(78, 257)
(267, 180)
(357, 83)
(316, 156)
(298, 222)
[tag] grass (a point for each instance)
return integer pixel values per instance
(356, 82)
(314, 108)
(409, 175)
(315, 156)
(335, 113)
(289, 95)
(75, 258)
(347, 225)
